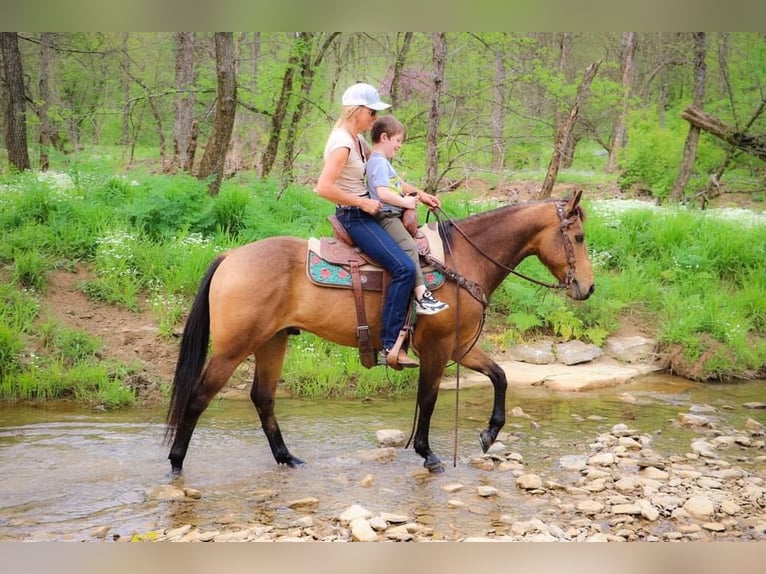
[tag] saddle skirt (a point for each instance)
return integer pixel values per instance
(328, 261)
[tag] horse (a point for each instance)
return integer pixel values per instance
(253, 297)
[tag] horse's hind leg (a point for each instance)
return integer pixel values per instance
(214, 377)
(477, 360)
(269, 358)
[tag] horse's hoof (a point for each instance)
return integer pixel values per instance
(434, 467)
(291, 461)
(485, 440)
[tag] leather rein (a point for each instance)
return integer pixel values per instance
(479, 294)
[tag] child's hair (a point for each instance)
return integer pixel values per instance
(386, 125)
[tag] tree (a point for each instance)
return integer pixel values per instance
(399, 62)
(619, 134)
(278, 117)
(692, 138)
(214, 159)
(308, 65)
(183, 124)
(49, 137)
(14, 112)
(564, 130)
(439, 42)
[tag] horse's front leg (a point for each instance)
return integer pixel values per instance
(431, 370)
(477, 360)
(268, 366)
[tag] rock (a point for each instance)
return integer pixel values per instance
(390, 438)
(381, 454)
(690, 420)
(626, 509)
(589, 507)
(601, 459)
(703, 448)
(361, 531)
(368, 481)
(452, 487)
(193, 493)
(518, 412)
(308, 504)
(653, 473)
(487, 491)
(699, 506)
(529, 482)
(538, 353)
(392, 518)
(630, 349)
(730, 507)
(754, 405)
(573, 461)
(714, 526)
(575, 352)
(752, 425)
(354, 511)
(167, 492)
(648, 510)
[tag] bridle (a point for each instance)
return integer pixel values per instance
(564, 224)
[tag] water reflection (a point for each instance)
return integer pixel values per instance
(71, 474)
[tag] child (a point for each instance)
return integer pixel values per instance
(384, 184)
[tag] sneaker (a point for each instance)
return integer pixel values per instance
(427, 305)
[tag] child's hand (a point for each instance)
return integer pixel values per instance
(410, 202)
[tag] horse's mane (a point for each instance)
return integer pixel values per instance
(446, 227)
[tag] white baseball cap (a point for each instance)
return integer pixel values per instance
(363, 95)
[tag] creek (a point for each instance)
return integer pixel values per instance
(72, 473)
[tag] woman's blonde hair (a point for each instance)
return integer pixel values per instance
(347, 114)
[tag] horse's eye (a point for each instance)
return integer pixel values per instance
(580, 237)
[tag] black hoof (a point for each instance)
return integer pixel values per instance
(434, 467)
(485, 440)
(290, 461)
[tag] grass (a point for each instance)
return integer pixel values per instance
(696, 278)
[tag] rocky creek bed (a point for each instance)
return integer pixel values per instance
(621, 489)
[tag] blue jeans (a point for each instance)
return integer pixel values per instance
(371, 238)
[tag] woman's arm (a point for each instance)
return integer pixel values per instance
(327, 187)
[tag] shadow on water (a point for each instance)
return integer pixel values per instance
(74, 474)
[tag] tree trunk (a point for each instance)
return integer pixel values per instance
(401, 59)
(692, 138)
(49, 138)
(308, 70)
(14, 114)
(184, 101)
(565, 67)
(498, 112)
(619, 135)
(278, 118)
(214, 158)
(125, 80)
(564, 130)
(432, 132)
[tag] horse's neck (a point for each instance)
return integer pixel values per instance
(506, 235)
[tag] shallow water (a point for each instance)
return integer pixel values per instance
(68, 472)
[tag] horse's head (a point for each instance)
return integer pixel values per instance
(562, 249)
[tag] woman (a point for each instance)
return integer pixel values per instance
(342, 182)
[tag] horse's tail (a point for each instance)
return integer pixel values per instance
(193, 353)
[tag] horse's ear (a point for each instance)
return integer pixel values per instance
(573, 203)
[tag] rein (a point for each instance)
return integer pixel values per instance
(478, 292)
(564, 224)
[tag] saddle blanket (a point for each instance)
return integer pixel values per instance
(330, 274)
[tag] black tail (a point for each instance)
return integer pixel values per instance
(193, 353)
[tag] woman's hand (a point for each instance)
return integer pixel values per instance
(370, 206)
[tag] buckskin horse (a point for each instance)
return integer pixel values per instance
(253, 297)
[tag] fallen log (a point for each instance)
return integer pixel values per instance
(755, 145)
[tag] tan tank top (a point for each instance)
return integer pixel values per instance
(351, 178)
